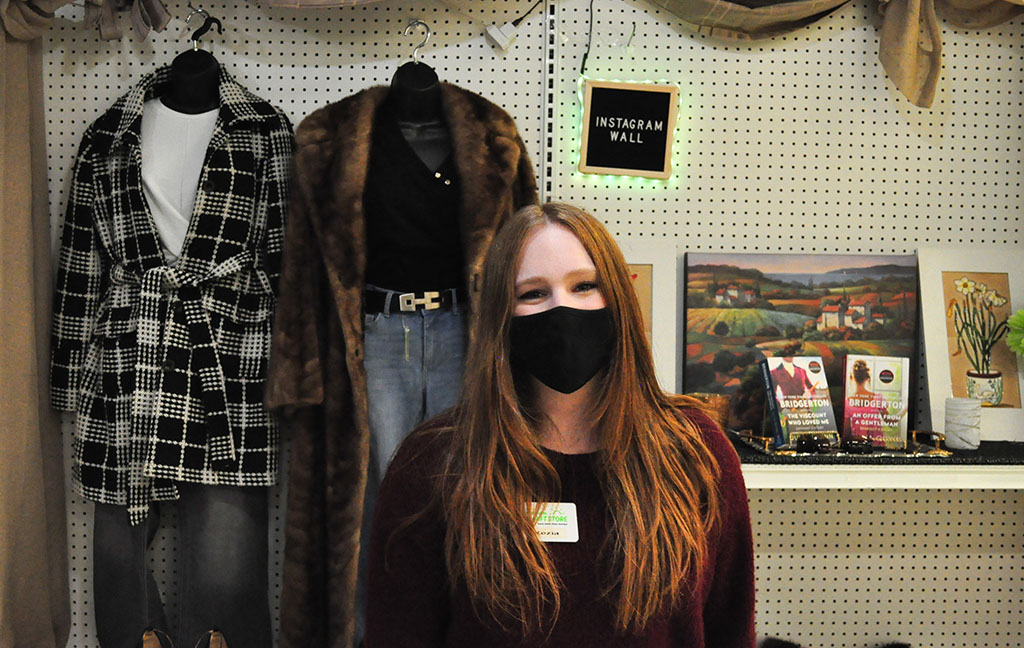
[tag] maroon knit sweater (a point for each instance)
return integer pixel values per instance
(410, 604)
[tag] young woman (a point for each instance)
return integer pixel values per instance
(566, 500)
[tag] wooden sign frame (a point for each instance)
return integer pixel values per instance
(588, 91)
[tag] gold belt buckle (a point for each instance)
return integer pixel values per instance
(429, 301)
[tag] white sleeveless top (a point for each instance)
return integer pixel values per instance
(173, 151)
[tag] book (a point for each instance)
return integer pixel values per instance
(772, 424)
(796, 393)
(876, 399)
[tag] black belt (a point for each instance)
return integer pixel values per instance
(376, 301)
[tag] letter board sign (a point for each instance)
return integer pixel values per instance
(628, 128)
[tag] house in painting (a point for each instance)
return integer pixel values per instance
(733, 295)
(863, 310)
(857, 313)
(833, 316)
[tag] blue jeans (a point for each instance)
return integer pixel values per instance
(414, 364)
(222, 567)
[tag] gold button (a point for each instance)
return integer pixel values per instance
(437, 174)
(447, 182)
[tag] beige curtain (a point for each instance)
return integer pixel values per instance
(979, 14)
(733, 20)
(910, 40)
(313, 4)
(910, 47)
(34, 600)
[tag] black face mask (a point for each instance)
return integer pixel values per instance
(562, 347)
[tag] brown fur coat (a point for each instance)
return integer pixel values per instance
(316, 376)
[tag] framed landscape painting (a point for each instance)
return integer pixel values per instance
(966, 299)
(742, 308)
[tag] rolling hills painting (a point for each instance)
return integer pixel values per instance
(741, 308)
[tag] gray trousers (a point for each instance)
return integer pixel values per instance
(222, 571)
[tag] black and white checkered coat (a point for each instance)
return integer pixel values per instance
(165, 364)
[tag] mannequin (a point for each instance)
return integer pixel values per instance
(222, 523)
(397, 229)
(408, 240)
(415, 99)
(194, 85)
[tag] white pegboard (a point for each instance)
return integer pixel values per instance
(800, 142)
(797, 142)
(859, 568)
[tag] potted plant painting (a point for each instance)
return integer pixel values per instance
(978, 329)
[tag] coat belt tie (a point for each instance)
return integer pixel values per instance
(156, 285)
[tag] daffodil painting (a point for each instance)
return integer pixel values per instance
(977, 310)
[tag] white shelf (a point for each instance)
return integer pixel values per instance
(957, 476)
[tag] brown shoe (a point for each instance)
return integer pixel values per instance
(151, 639)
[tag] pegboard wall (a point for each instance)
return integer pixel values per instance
(800, 142)
(793, 143)
(860, 568)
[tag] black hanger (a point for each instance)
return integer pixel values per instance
(207, 24)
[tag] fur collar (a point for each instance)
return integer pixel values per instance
(333, 157)
(331, 162)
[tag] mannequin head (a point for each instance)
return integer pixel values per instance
(415, 93)
(194, 85)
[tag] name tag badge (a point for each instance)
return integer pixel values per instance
(555, 521)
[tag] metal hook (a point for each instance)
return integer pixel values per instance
(426, 37)
(193, 11)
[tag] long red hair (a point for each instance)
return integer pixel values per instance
(657, 475)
